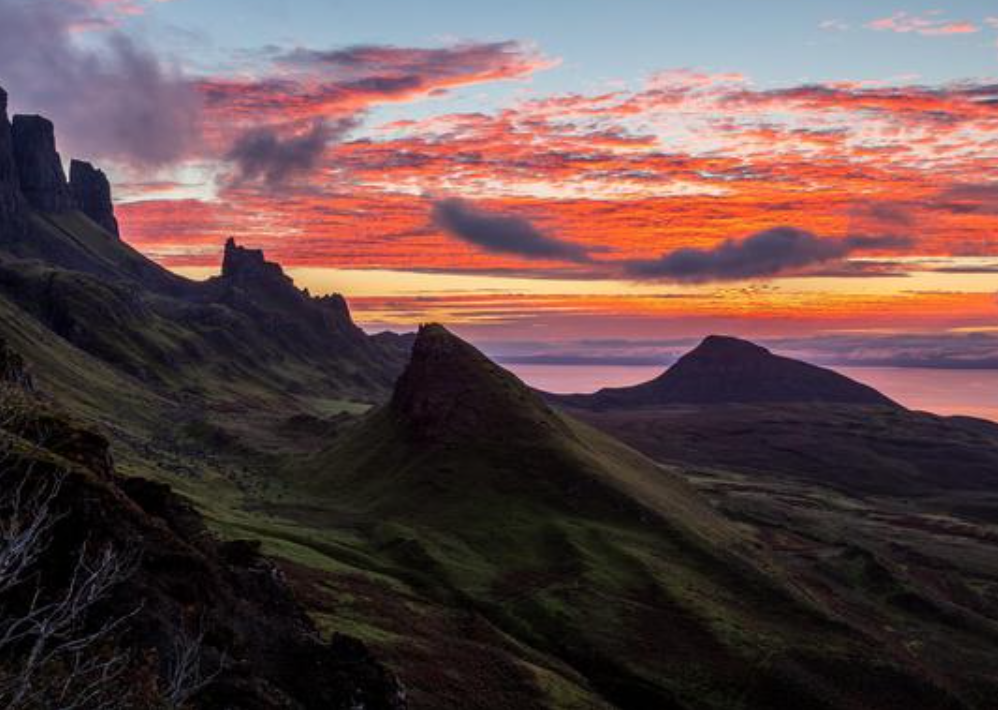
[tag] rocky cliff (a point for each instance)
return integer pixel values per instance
(39, 167)
(9, 187)
(250, 282)
(91, 193)
(31, 172)
(244, 265)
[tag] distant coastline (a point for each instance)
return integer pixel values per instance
(947, 391)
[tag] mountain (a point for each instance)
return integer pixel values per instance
(732, 404)
(607, 575)
(451, 401)
(728, 370)
(238, 339)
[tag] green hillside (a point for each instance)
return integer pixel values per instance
(474, 494)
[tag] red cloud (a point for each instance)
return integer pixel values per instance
(315, 83)
(683, 162)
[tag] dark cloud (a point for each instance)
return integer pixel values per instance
(502, 233)
(109, 99)
(770, 253)
(501, 59)
(263, 154)
(968, 269)
(968, 199)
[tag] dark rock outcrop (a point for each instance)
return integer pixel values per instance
(92, 194)
(450, 390)
(248, 266)
(12, 368)
(10, 193)
(251, 283)
(725, 370)
(39, 167)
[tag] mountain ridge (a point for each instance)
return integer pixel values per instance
(63, 262)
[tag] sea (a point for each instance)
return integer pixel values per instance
(948, 392)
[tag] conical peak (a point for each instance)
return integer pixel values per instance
(449, 388)
(444, 365)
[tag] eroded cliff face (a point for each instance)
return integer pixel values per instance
(91, 193)
(10, 191)
(39, 167)
(31, 172)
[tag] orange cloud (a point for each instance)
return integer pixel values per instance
(686, 161)
(312, 84)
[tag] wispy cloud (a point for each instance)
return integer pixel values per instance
(834, 25)
(307, 83)
(112, 97)
(929, 24)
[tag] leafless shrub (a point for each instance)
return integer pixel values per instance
(185, 675)
(53, 654)
(59, 645)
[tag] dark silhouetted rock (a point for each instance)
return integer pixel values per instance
(92, 194)
(9, 185)
(724, 370)
(39, 167)
(246, 265)
(451, 390)
(251, 282)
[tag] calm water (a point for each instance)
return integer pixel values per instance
(970, 392)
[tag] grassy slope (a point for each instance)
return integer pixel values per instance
(870, 449)
(583, 551)
(483, 590)
(889, 515)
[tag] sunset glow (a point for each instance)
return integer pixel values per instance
(331, 155)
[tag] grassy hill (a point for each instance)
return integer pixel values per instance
(603, 569)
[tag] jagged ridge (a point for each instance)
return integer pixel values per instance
(61, 261)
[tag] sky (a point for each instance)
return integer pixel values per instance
(546, 175)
